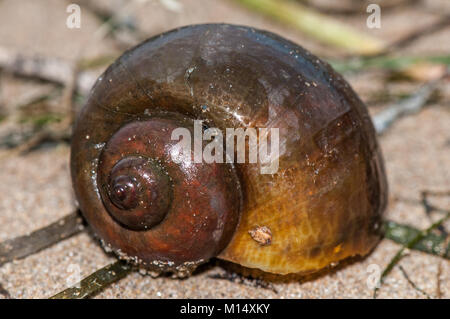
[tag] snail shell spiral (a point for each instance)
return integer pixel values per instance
(323, 204)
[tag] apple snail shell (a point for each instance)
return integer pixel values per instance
(323, 204)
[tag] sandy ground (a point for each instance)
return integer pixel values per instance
(35, 189)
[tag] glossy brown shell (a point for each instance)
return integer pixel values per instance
(326, 200)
